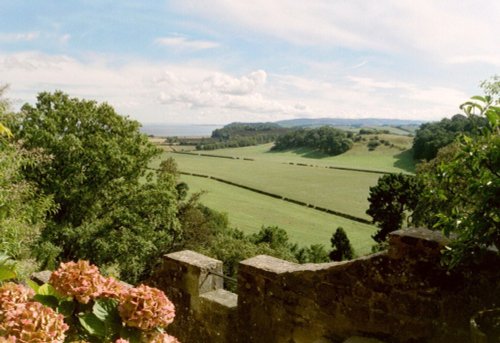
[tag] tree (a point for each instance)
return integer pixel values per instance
(111, 210)
(430, 137)
(23, 209)
(341, 246)
(390, 200)
(326, 139)
(93, 150)
(464, 188)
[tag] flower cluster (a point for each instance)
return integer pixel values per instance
(151, 337)
(157, 337)
(112, 288)
(146, 308)
(33, 322)
(24, 320)
(12, 294)
(80, 280)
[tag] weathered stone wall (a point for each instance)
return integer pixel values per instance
(401, 295)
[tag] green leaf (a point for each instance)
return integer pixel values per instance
(107, 310)
(104, 309)
(6, 273)
(133, 335)
(47, 300)
(479, 98)
(92, 325)
(33, 285)
(47, 289)
(66, 308)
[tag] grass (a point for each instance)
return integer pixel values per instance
(384, 158)
(339, 190)
(249, 211)
(344, 191)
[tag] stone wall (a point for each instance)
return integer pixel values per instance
(400, 295)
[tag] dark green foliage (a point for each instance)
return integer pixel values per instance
(390, 200)
(236, 135)
(341, 246)
(93, 150)
(431, 137)
(97, 159)
(23, 208)
(315, 253)
(373, 131)
(373, 143)
(462, 189)
(326, 139)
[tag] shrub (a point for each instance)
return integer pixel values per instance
(79, 304)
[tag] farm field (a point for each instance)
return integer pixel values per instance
(311, 182)
(340, 190)
(383, 158)
(249, 211)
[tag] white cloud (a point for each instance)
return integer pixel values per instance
(18, 37)
(474, 58)
(442, 29)
(183, 43)
(197, 93)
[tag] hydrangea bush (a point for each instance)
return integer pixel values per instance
(79, 304)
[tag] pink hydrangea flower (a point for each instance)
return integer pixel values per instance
(146, 308)
(121, 340)
(12, 294)
(158, 337)
(33, 322)
(80, 280)
(112, 288)
(9, 339)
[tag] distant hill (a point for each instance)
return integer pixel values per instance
(363, 122)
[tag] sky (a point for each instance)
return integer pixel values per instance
(219, 61)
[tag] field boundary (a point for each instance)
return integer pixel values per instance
(289, 163)
(280, 197)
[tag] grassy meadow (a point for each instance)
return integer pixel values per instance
(249, 211)
(340, 190)
(302, 175)
(384, 158)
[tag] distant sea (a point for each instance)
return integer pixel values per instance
(167, 130)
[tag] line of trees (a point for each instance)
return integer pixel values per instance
(430, 137)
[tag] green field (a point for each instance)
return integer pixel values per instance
(383, 158)
(248, 211)
(339, 190)
(313, 182)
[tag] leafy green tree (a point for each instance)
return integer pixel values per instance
(341, 246)
(430, 137)
(326, 139)
(93, 150)
(111, 210)
(315, 253)
(23, 208)
(394, 196)
(463, 190)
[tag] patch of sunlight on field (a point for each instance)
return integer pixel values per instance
(249, 211)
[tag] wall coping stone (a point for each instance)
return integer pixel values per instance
(194, 259)
(222, 297)
(421, 234)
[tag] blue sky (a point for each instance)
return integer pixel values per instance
(227, 60)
